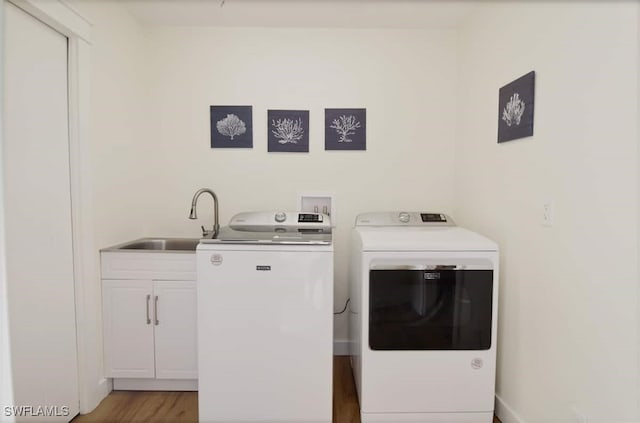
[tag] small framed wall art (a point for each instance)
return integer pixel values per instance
(515, 108)
(231, 127)
(288, 131)
(345, 129)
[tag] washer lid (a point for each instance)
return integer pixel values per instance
(229, 235)
(447, 238)
(298, 228)
(281, 221)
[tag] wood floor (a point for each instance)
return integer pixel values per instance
(182, 407)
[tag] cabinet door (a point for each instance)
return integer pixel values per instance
(128, 328)
(175, 329)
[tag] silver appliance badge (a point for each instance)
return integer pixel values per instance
(216, 259)
(477, 363)
(431, 275)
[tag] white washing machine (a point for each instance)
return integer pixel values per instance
(424, 301)
(265, 320)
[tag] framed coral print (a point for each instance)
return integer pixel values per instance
(345, 129)
(231, 127)
(288, 131)
(515, 108)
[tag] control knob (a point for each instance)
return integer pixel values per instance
(280, 217)
(404, 217)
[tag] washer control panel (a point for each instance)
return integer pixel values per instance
(281, 221)
(404, 218)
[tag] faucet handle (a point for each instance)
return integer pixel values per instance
(204, 231)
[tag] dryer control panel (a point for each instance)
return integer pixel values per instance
(403, 218)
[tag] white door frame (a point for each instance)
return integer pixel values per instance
(6, 382)
(62, 17)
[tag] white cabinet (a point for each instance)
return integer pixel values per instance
(149, 320)
(175, 305)
(128, 330)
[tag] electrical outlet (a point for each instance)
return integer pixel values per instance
(548, 213)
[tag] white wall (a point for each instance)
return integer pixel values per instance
(6, 382)
(118, 127)
(404, 78)
(568, 337)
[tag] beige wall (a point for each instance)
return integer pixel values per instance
(151, 92)
(568, 337)
(404, 78)
(119, 122)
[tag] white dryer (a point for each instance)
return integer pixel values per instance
(424, 301)
(265, 320)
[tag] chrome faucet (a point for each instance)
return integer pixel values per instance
(194, 215)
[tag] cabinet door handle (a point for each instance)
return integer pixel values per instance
(148, 317)
(155, 311)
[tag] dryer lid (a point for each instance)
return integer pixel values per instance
(451, 238)
(417, 231)
(404, 218)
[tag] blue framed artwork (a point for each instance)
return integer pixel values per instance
(345, 129)
(288, 131)
(515, 108)
(231, 127)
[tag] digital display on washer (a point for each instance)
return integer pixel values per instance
(433, 217)
(309, 217)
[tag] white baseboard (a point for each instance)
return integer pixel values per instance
(506, 413)
(426, 417)
(340, 347)
(121, 384)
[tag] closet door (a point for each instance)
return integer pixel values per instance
(38, 217)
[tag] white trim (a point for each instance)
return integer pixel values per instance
(6, 386)
(505, 413)
(59, 15)
(341, 347)
(93, 387)
(638, 181)
(453, 417)
(123, 384)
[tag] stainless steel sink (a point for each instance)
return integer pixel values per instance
(158, 244)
